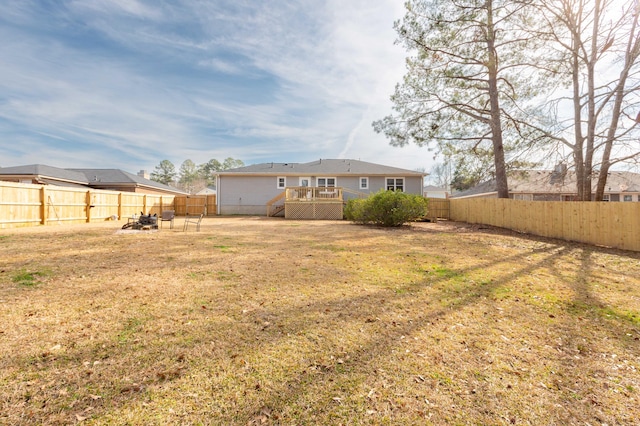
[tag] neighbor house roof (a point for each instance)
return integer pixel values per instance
(553, 182)
(322, 167)
(47, 173)
(105, 177)
(96, 178)
(434, 188)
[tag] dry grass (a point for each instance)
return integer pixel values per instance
(266, 321)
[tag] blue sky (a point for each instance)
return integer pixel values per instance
(128, 83)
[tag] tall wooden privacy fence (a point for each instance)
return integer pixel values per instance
(29, 205)
(438, 208)
(195, 204)
(610, 224)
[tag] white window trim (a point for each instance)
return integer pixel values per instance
(404, 182)
(366, 179)
(284, 181)
(335, 181)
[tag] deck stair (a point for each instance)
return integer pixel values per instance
(273, 208)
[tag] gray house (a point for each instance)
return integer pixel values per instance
(315, 190)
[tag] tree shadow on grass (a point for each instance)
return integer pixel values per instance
(329, 363)
(383, 343)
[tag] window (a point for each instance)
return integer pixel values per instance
(364, 183)
(282, 182)
(327, 182)
(628, 198)
(605, 197)
(304, 181)
(395, 184)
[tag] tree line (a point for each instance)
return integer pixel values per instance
(494, 86)
(190, 177)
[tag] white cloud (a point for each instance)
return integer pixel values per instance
(289, 81)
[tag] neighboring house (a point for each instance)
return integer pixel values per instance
(207, 191)
(431, 191)
(249, 189)
(556, 185)
(108, 179)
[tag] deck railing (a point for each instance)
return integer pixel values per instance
(309, 193)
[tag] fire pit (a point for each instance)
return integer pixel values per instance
(143, 222)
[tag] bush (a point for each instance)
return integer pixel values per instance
(386, 208)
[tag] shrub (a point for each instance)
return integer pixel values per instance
(386, 208)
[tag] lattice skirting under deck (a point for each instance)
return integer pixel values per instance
(311, 210)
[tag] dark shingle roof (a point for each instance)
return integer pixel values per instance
(322, 167)
(117, 176)
(45, 172)
(86, 177)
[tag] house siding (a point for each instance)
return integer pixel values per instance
(248, 195)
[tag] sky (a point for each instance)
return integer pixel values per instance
(128, 83)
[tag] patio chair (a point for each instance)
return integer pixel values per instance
(194, 220)
(168, 216)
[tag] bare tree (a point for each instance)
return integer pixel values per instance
(598, 42)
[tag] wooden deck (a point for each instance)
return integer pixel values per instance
(304, 202)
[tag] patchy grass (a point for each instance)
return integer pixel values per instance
(29, 278)
(266, 321)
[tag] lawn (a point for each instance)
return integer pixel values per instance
(276, 322)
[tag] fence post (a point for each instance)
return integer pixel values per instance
(43, 205)
(120, 205)
(88, 206)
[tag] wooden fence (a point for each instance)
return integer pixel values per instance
(195, 204)
(610, 224)
(438, 208)
(30, 205)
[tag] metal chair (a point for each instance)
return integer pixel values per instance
(196, 220)
(168, 216)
